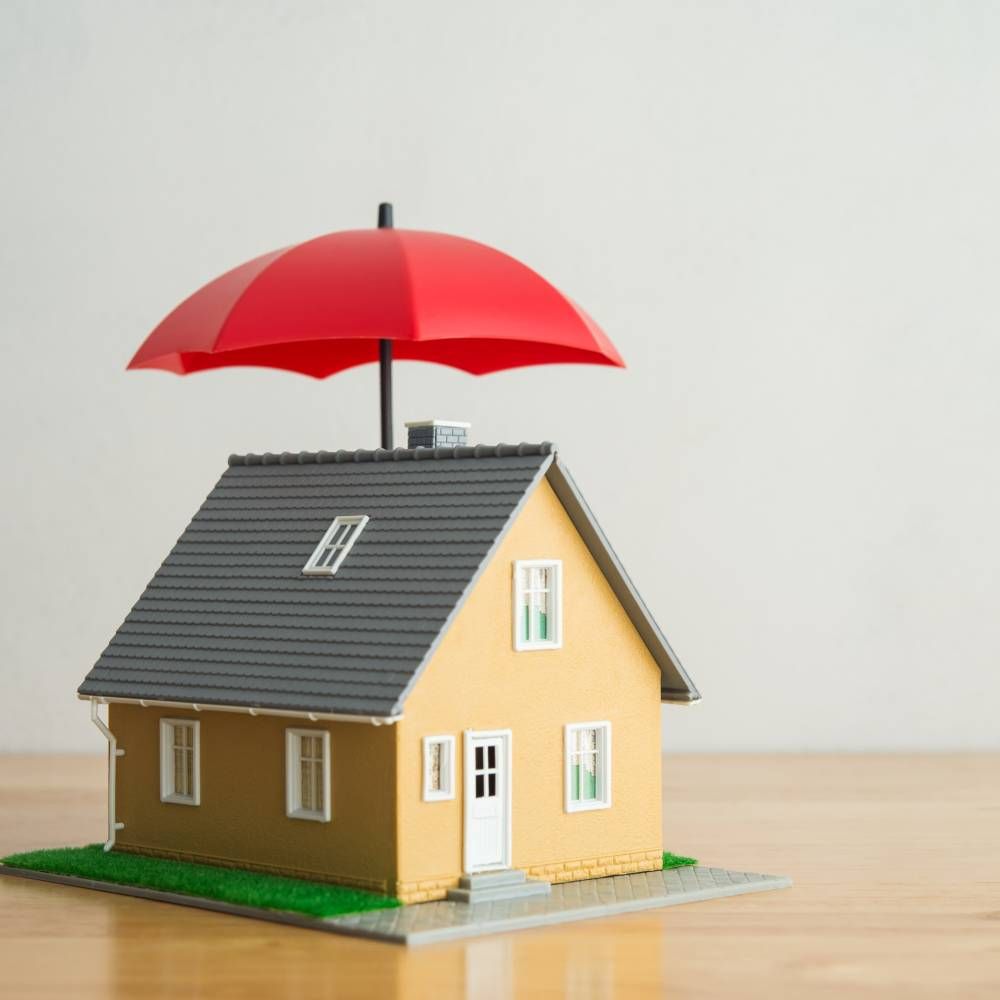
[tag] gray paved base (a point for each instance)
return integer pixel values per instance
(423, 923)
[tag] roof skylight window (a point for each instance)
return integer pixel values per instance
(335, 544)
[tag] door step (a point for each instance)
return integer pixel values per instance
(490, 886)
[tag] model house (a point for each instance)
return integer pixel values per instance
(391, 670)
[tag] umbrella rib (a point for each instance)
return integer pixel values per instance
(224, 325)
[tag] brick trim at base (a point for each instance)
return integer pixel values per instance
(598, 867)
(425, 890)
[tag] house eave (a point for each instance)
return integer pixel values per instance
(680, 698)
(375, 720)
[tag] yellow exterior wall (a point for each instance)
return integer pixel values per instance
(476, 680)
(241, 820)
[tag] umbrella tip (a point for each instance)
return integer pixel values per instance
(385, 215)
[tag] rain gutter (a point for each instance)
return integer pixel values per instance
(375, 720)
(113, 754)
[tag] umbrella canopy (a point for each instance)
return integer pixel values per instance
(348, 298)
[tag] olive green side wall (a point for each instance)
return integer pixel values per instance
(241, 820)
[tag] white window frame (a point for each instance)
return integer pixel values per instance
(603, 800)
(293, 776)
(312, 567)
(167, 790)
(521, 566)
(447, 789)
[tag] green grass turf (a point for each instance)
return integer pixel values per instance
(230, 885)
(677, 861)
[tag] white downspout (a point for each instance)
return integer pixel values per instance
(113, 754)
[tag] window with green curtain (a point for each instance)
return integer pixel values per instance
(584, 764)
(536, 590)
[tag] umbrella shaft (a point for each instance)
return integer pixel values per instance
(385, 387)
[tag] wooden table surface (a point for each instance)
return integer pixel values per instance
(896, 861)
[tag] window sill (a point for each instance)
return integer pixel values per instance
(316, 817)
(579, 807)
(532, 647)
(180, 800)
(439, 796)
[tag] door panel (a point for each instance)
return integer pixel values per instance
(487, 801)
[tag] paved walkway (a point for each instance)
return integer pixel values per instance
(423, 923)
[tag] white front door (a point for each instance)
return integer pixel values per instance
(487, 800)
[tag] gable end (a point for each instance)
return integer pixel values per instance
(675, 685)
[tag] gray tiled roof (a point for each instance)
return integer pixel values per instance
(229, 619)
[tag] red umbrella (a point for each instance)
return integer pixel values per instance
(348, 298)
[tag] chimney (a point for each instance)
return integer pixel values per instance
(436, 433)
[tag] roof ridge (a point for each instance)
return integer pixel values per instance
(395, 455)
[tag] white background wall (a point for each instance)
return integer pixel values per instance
(785, 215)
